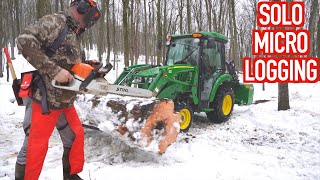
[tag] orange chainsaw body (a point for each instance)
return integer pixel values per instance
(82, 70)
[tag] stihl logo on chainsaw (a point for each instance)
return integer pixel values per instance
(122, 90)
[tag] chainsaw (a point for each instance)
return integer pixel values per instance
(90, 80)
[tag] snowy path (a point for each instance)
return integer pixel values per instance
(257, 143)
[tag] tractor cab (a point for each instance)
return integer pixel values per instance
(204, 50)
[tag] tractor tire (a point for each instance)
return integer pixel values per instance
(222, 104)
(186, 112)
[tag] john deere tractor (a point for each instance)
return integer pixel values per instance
(195, 76)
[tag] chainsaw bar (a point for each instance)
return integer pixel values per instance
(100, 86)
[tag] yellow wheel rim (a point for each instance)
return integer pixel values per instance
(185, 119)
(227, 105)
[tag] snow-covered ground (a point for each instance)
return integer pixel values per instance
(258, 142)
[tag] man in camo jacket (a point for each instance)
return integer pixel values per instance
(33, 44)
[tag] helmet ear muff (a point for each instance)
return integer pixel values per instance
(83, 7)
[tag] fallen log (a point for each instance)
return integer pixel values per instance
(149, 124)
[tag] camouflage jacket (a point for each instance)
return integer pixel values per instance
(32, 43)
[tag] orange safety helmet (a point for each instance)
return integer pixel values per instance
(89, 9)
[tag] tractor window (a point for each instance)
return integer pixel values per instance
(213, 54)
(183, 51)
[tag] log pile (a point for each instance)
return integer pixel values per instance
(149, 124)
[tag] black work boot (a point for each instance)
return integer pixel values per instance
(19, 171)
(66, 166)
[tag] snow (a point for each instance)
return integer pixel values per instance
(258, 142)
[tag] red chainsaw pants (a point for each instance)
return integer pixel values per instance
(40, 131)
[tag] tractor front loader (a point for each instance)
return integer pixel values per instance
(196, 76)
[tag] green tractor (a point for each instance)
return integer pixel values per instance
(195, 76)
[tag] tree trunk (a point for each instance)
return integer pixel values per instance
(132, 28)
(181, 16)
(56, 6)
(230, 30)
(151, 40)
(151, 125)
(126, 40)
(114, 34)
(214, 18)
(146, 33)
(188, 16)
(159, 33)
(318, 43)
(318, 38)
(12, 28)
(235, 54)
(101, 33)
(61, 5)
(106, 8)
(1, 40)
(283, 97)
(312, 26)
(137, 33)
(43, 8)
(200, 16)
(283, 90)
(219, 28)
(164, 29)
(17, 14)
(8, 31)
(1, 65)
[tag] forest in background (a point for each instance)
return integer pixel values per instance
(141, 27)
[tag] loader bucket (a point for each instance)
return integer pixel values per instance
(244, 94)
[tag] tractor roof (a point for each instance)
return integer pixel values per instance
(206, 34)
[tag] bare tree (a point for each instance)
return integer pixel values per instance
(318, 37)
(145, 32)
(17, 15)
(164, 27)
(209, 9)
(159, 32)
(1, 40)
(11, 27)
(61, 5)
(43, 8)
(234, 35)
(126, 40)
(181, 7)
(188, 16)
(101, 32)
(283, 90)
(106, 9)
(114, 33)
(312, 26)
(56, 6)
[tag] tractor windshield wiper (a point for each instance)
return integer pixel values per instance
(188, 55)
